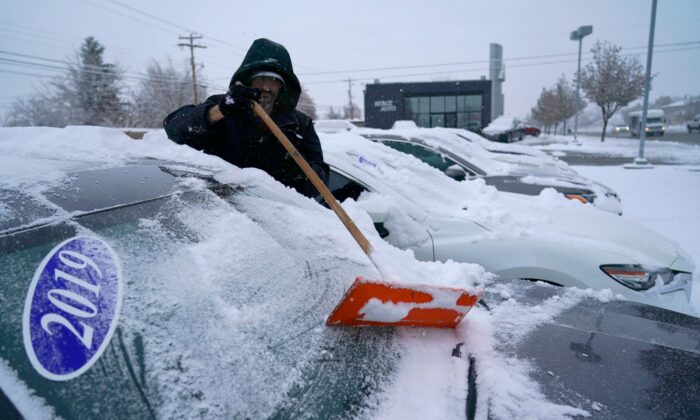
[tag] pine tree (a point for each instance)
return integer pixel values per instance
(89, 93)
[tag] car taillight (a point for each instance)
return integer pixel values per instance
(583, 198)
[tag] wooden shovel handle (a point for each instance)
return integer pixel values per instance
(315, 180)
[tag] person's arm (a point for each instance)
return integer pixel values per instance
(194, 125)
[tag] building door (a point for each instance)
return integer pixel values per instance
(443, 119)
(437, 120)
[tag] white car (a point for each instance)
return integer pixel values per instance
(546, 238)
(511, 171)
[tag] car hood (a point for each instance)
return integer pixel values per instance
(588, 354)
(601, 230)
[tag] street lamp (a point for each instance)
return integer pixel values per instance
(578, 35)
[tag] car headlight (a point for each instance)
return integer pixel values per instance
(633, 276)
(637, 277)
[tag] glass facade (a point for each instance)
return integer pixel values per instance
(461, 111)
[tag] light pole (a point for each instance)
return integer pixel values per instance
(647, 82)
(578, 35)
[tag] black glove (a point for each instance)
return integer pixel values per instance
(238, 99)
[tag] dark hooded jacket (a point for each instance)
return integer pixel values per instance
(242, 139)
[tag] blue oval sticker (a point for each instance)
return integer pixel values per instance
(72, 308)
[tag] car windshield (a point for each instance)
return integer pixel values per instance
(201, 320)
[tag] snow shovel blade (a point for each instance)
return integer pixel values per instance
(383, 304)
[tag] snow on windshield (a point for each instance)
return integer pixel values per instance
(34, 407)
(229, 296)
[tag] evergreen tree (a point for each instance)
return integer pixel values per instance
(88, 94)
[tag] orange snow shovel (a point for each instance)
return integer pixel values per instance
(381, 303)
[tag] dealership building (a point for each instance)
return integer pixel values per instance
(468, 104)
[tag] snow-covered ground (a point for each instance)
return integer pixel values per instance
(663, 150)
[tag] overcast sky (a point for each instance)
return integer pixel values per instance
(332, 41)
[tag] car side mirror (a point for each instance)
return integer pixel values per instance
(377, 207)
(456, 172)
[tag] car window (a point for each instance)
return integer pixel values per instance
(432, 158)
(342, 187)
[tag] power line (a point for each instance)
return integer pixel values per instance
(159, 19)
(96, 68)
(458, 63)
(475, 69)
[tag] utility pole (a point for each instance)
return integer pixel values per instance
(352, 108)
(191, 37)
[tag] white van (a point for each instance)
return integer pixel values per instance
(656, 122)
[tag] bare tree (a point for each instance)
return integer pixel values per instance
(564, 101)
(164, 90)
(611, 81)
(555, 105)
(306, 104)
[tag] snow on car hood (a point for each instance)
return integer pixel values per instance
(549, 216)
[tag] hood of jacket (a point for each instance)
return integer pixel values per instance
(271, 56)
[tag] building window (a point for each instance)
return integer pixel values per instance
(461, 111)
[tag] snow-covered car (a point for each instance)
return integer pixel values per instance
(200, 291)
(546, 237)
(449, 153)
(144, 279)
(504, 129)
